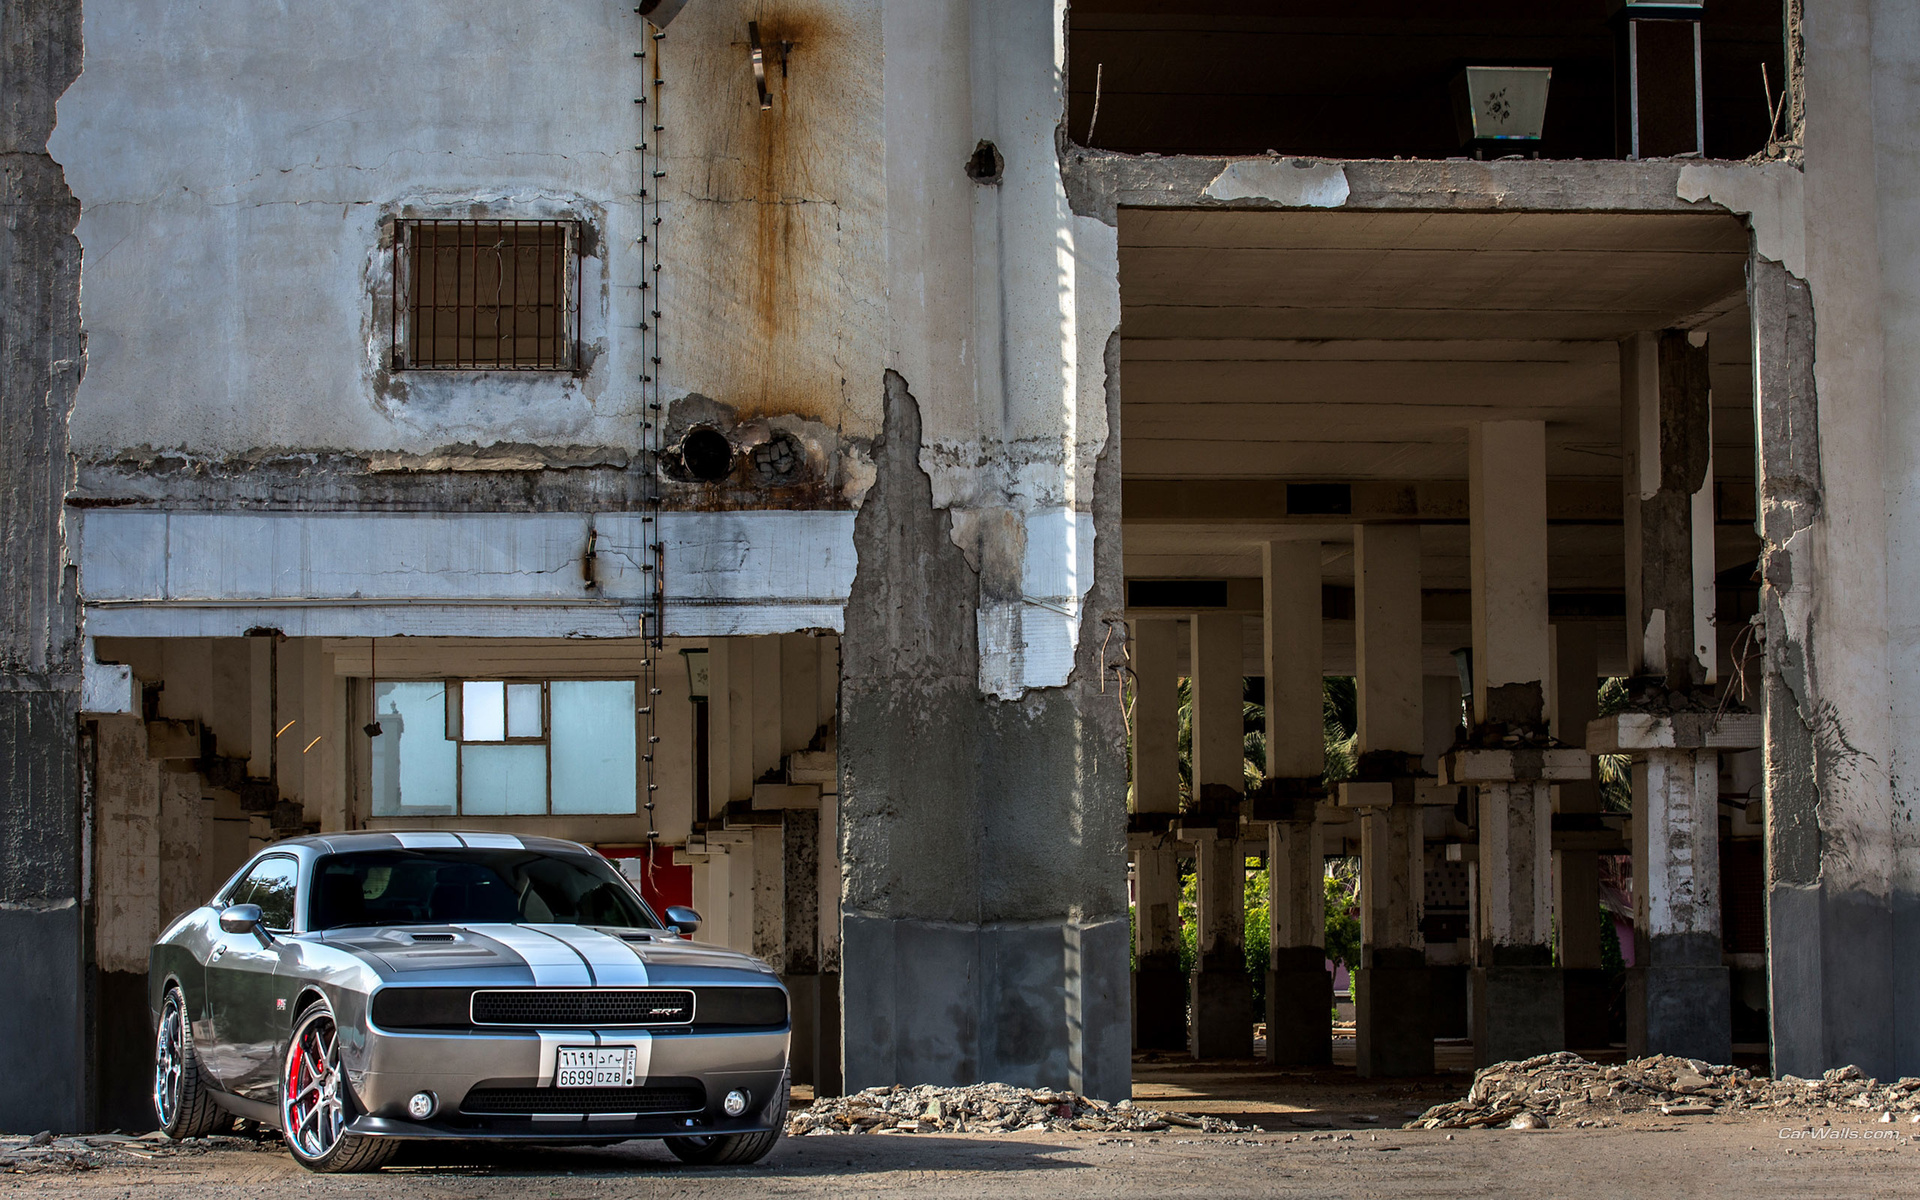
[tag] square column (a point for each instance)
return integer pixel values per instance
(1159, 986)
(1677, 990)
(1218, 655)
(1518, 1005)
(1221, 994)
(1393, 1008)
(1299, 986)
(1573, 699)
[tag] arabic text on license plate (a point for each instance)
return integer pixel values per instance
(595, 1066)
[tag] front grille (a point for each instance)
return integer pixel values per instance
(670, 1096)
(599, 1007)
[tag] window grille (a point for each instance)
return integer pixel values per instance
(486, 296)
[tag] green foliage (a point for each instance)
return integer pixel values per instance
(1343, 911)
(1611, 960)
(1189, 916)
(1340, 728)
(1259, 933)
(1615, 771)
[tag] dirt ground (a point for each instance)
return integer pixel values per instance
(1326, 1134)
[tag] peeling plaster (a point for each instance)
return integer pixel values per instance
(1297, 183)
(1770, 195)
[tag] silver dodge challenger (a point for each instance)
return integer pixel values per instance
(358, 990)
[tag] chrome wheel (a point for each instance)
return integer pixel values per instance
(169, 1061)
(313, 1110)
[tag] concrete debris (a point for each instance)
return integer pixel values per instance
(44, 1152)
(1566, 1088)
(988, 1108)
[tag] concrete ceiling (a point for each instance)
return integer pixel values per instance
(1334, 346)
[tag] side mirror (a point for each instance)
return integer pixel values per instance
(240, 918)
(681, 919)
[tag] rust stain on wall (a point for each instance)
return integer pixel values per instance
(792, 327)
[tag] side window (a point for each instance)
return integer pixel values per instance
(271, 885)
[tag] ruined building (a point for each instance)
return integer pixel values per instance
(784, 444)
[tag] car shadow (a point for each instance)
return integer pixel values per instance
(848, 1154)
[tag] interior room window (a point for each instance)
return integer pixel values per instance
(494, 747)
(486, 295)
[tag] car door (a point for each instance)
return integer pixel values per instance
(244, 996)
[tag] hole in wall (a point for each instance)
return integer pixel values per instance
(985, 165)
(707, 453)
(778, 459)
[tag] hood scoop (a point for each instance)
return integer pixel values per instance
(409, 937)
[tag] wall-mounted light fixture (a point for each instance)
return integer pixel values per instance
(1503, 107)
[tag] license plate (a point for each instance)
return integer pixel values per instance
(595, 1066)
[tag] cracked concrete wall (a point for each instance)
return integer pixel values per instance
(238, 170)
(43, 1006)
(983, 786)
(1838, 419)
(1001, 301)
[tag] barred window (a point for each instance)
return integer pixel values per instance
(486, 295)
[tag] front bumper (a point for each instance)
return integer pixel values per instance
(703, 1067)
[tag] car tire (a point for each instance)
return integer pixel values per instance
(731, 1149)
(317, 1104)
(181, 1101)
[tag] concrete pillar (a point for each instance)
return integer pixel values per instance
(1518, 999)
(46, 1046)
(1666, 444)
(740, 773)
(765, 707)
(982, 872)
(1573, 698)
(1393, 1010)
(1299, 986)
(1677, 990)
(800, 883)
(800, 715)
(1159, 986)
(1219, 726)
(1222, 994)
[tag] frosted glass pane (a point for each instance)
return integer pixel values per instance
(413, 762)
(594, 755)
(483, 711)
(523, 710)
(503, 780)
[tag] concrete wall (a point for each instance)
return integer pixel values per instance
(1844, 932)
(251, 159)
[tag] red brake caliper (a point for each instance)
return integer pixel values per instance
(293, 1089)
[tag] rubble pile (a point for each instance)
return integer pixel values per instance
(1565, 1088)
(43, 1152)
(988, 1108)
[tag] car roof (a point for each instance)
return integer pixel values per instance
(434, 839)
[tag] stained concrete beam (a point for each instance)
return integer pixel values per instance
(1100, 182)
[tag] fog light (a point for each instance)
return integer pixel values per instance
(421, 1106)
(735, 1103)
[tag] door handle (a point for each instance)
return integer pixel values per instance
(219, 950)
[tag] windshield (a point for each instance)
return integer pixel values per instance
(450, 887)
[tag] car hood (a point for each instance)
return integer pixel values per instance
(544, 956)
